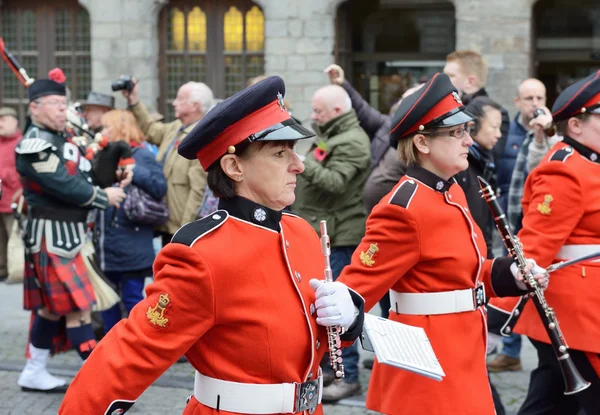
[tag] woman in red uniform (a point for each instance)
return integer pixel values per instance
(423, 245)
(233, 291)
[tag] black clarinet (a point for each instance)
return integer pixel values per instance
(574, 382)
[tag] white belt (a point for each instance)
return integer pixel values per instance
(576, 251)
(446, 302)
(251, 398)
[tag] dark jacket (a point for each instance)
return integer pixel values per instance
(386, 169)
(499, 147)
(128, 245)
(331, 189)
(506, 164)
(376, 125)
(480, 164)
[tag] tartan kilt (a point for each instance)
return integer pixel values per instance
(64, 285)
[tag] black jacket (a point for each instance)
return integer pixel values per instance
(480, 164)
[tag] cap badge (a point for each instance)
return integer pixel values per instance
(544, 207)
(367, 257)
(156, 314)
(280, 101)
(456, 97)
(259, 215)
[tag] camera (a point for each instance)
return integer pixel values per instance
(123, 83)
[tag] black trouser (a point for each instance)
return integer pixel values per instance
(497, 402)
(546, 386)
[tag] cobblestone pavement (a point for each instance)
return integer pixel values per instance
(168, 394)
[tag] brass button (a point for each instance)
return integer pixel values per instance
(318, 344)
(298, 276)
(287, 244)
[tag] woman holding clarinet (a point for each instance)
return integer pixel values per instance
(423, 245)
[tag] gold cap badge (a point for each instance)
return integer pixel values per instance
(367, 257)
(544, 207)
(156, 314)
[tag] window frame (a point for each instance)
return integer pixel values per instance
(215, 45)
(45, 52)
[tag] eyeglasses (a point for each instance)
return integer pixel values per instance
(456, 133)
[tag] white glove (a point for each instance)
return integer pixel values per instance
(333, 303)
(540, 275)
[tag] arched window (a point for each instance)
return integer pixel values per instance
(220, 43)
(43, 37)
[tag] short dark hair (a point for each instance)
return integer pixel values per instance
(477, 106)
(223, 186)
(561, 126)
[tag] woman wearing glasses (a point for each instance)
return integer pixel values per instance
(423, 245)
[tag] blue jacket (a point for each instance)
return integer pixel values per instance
(506, 163)
(128, 246)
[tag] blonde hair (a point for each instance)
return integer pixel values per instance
(471, 63)
(124, 125)
(407, 151)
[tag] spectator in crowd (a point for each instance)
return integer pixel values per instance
(125, 248)
(512, 172)
(10, 135)
(96, 105)
(185, 178)
(485, 131)
(336, 169)
(468, 72)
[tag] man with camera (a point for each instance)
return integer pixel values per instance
(59, 193)
(185, 178)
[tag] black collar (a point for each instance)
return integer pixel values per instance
(252, 212)
(429, 178)
(586, 152)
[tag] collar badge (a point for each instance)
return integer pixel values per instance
(259, 215)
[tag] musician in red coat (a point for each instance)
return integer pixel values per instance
(423, 245)
(232, 291)
(561, 208)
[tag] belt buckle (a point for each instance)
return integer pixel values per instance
(479, 296)
(307, 396)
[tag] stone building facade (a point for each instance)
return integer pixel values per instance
(301, 37)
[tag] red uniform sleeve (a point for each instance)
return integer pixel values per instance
(552, 207)
(178, 310)
(390, 248)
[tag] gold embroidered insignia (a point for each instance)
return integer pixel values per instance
(156, 314)
(544, 207)
(367, 257)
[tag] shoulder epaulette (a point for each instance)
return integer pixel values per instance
(404, 194)
(32, 146)
(190, 233)
(562, 155)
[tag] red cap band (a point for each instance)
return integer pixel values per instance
(446, 105)
(236, 133)
(595, 100)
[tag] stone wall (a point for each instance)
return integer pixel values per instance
(124, 40)
(299, 44)
(501, 31)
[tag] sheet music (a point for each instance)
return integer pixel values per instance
(403, 346)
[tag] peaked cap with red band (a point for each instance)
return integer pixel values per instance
(436, 104)
(255, 114)
(580, 98)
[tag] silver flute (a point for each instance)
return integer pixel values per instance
(333, 332)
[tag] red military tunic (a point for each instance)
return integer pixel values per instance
(428, 242)
(239, 306)
(561, 211)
